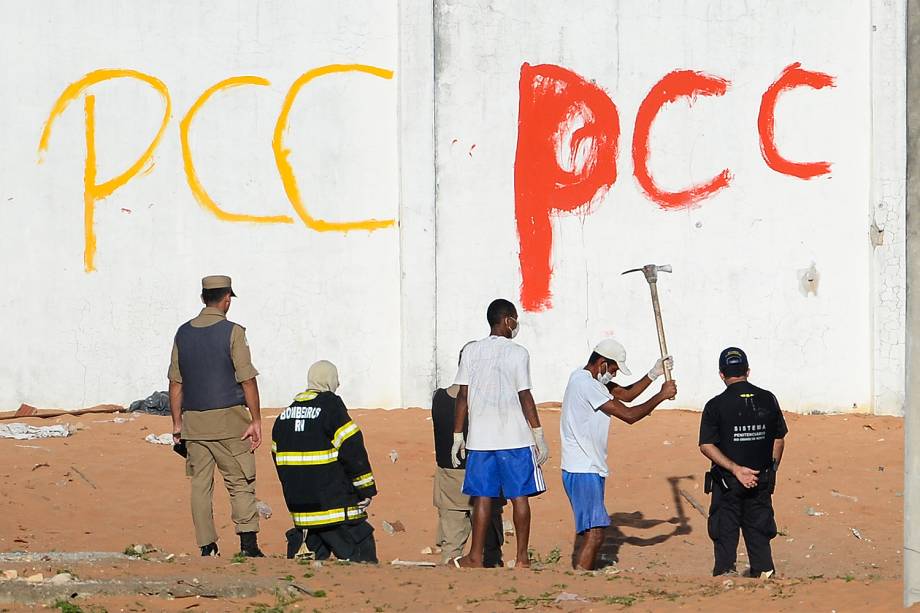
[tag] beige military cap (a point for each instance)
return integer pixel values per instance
(217, 282)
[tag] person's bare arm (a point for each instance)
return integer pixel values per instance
(717, 457)
(251, 394)
(779, 445)
(529, 407)
(630, 392)
(174, 375)
(175, 409)
(747, 476)
(615, 408)
(461, 408)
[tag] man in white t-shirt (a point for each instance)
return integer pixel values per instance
(589, 401)
(505, 445)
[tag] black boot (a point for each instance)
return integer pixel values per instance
(295, 538)
(249, 546)
(209, 550)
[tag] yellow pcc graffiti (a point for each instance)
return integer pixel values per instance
(287, 171)
(93, 192)
(191, 176)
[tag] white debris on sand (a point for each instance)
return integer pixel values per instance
(164, 439)
(25, 432)
(61, 579)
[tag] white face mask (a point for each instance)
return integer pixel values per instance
(517, 328)
(605, 378)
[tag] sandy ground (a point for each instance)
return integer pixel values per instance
(105, 488)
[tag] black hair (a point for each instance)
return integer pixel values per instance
(595, 356)
(213, 296)
(498, 310)
(734, 370)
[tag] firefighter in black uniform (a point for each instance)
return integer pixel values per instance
(742, 432)
(324, 472)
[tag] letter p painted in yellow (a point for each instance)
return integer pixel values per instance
(93, 191)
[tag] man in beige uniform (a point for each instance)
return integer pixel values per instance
(211, 383)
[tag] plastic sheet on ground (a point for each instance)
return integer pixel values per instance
(156, 403)
(25, 432)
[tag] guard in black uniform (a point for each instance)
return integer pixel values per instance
(742, 432)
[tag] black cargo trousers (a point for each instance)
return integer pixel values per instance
(735, 507)
(351, 540)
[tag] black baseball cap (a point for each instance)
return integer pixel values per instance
(733, 362)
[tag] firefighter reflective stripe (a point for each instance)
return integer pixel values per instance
(363, 480)
(306, 396)
(306, 458)
(274, 447)
(322, 518)
(343, 433)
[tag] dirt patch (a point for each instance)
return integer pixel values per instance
(838, 506)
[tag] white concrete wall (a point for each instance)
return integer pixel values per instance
(76, 338)
(738, 255)
(434, 147)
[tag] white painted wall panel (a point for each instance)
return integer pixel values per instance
(433, 148)
(76, 338)
(737, 255)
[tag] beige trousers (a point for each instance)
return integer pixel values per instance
(453, 512)
(237, 465)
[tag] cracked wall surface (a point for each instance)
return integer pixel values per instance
(887, 208)
(912, 227)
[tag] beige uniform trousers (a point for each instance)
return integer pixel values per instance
(237, 465)
(453, 512)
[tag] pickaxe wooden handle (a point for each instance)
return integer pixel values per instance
(659, 324)
(651, 275)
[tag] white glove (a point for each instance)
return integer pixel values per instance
(542, 447)
(364, 504)
(658, 369)
(458, 450)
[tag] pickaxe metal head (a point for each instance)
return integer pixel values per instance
(650, 271)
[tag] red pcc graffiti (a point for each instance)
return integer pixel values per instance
(674, 85)
(566, 159)
(553, 101)
(792, 76)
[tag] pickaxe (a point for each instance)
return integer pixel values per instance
(651, 275)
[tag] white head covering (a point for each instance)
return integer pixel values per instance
(323, 376)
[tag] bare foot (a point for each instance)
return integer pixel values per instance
(467, 562)
(519, 563)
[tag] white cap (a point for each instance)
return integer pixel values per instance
(613, 350)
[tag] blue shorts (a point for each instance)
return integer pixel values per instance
(586, 494)
(511, 473)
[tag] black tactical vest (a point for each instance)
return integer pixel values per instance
(208, 377)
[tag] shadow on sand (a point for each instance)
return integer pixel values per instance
(615, 538)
